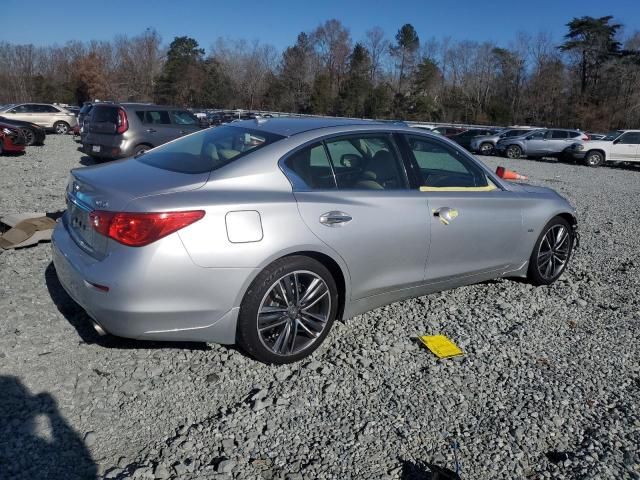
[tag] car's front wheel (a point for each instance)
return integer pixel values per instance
(594, 159)
(486, 148)
(61, 128)
(513, 151)
(288, 310)
(551, 252)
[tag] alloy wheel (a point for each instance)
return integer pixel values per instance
(486, 148)
(513, 151)
(29, 136)
(62, 128)
(553, 252)
(294, 313)
(594, 159)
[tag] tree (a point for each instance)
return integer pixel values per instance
(378, 46)
(404, 51)
(332, 43)
(181, 72)
(593, 40)
(296, 75)
(355, 90)
(90, 79)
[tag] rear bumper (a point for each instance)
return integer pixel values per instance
(157, 294)
(9, 146)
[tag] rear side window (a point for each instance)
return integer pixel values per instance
(366, 163)
(309, 168)
(574, 134)
(441, 166)
(558, 134)
(106, 114)
(48, 109)
(208, 150)
(154, 117)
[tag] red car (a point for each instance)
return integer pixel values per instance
(11, 140)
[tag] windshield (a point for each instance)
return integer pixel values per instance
(207, 150)
(611, 136)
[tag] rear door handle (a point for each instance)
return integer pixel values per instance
(151, 130)
(445, 214)
(335, 218)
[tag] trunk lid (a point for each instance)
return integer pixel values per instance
(113, 187)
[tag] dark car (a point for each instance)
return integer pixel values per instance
(449, 131)
(11, 139)
(119, 130)
(33, 134)
(464, 139)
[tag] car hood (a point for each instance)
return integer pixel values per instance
(114, 185)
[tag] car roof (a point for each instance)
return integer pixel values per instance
(288, 126)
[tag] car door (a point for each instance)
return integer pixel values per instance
(625, 148)
(352, 193)
(24, 112)
(557, 141)
(536, 143)
(158, 128)
(475, 225)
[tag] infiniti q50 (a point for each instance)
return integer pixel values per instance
(264, 232)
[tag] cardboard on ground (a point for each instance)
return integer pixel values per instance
(441, 346)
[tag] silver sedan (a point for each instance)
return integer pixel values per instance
(263, 233)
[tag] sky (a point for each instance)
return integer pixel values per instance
(278, 22)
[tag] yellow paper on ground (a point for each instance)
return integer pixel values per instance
(441, 346)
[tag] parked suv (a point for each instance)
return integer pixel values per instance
(486, 144)
(617, 146)
(43, 114)
(121, 130)
(464, 139)
(540, 143)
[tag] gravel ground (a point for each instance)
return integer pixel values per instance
(549, 386)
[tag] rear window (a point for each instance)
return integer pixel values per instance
(104, 114)
(207, 150)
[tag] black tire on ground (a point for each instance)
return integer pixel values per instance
(61, 128)
(29, 136)
(140, 149)
(513, 152)
(557, 250)
(247, 335)
(594, 159)
(486, 148)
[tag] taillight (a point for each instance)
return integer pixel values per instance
(586, 137)
(140, 229)
(123, 123)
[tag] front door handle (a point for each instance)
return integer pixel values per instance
(151, 130)
(445, 214)
(335, 218)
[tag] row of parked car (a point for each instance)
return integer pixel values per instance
(26, 124)
(592, 149)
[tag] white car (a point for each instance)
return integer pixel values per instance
(48, 116)
(617, 146)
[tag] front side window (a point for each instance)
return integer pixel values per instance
(367, 162)
(182, 117)
(630, 138)
(309, 169)
(443, 167)
(22, 109)
(207, 150)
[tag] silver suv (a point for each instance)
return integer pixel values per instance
(48, 116)
(545, 142)
(486, 144)
(114, 131)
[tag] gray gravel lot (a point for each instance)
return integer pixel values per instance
(549, 386)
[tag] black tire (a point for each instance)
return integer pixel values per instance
(29, 136)
(594, 158)
(140, 149)
(536, 275)
(247, 335)
(486, 148)
(513, 152)
(61, 128)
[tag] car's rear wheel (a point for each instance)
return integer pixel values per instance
(288, 310)
(486, 148)
(140, 149)
(513, 152)
(551, 252)
(61, 128)
(594, 159)
(29, 136)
